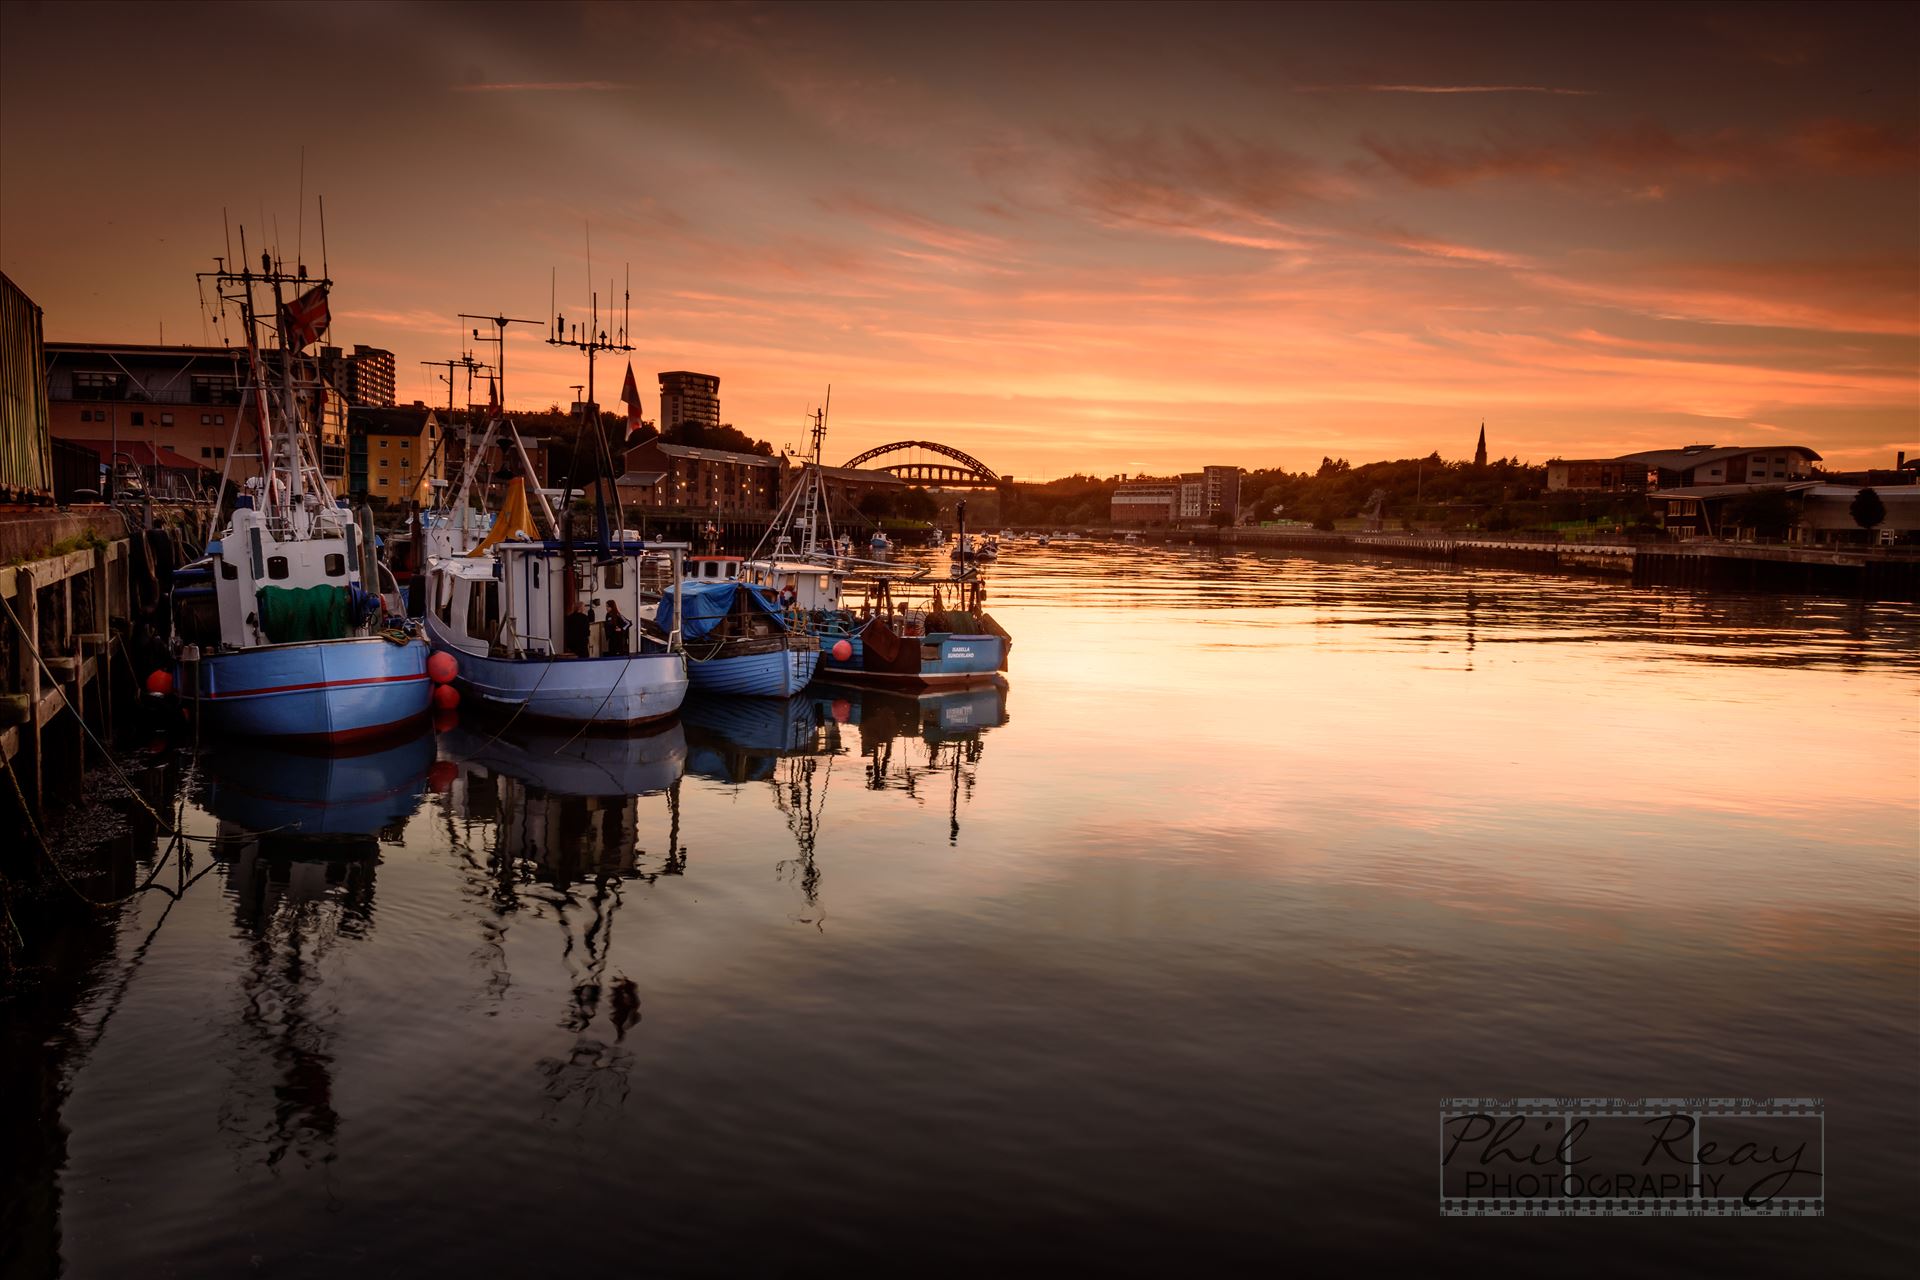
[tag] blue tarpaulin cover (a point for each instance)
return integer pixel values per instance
(706, 603)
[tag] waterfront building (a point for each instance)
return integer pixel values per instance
(682, 477)
(689, 397)
(394, 454)
(1145, 503)
(1222, 491)
(1819, 513)
(1599, 475)
(185, 400)
(1193, 496)
(1695, 464)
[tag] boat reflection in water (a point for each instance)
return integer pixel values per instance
(561, 818)
(949, 727)
(790, 744)
(299, 834)
(566, 807)
(321, 803)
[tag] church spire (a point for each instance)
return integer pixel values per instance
(1480, 452)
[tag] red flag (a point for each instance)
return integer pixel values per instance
(631, 394)
(493, 397)
(306, 318)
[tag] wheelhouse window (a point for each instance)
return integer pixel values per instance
(276, 567)
(612, 575)
(336, 565)
(228, 570)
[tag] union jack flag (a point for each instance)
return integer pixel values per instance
(306, 318)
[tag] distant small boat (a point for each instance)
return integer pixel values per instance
(879, 542)
(1132, 537)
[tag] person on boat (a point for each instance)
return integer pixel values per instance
(617, 627)
(788, 598)
(578, 631)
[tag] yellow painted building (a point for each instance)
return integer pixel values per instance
(394, 454)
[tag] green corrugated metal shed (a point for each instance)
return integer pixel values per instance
(26, 446)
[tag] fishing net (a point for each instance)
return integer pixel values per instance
(289, 615)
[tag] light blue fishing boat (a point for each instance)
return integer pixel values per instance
(738, 640)
(280, 631)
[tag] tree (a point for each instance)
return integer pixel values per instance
(1768, 512)
(876, 506)
(917, 504)
(1868, 510)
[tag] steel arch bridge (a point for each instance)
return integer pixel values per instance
(964, 471)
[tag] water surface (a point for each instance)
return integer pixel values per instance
(1160, 957)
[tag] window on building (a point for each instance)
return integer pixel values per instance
(166, 419)
(139, 418)
(95, 384)
(219, 419)
(383, 444)
(219, 451)
(206, 419)
(86, 415)
(205, 451)
(276, 567)
(207, 388)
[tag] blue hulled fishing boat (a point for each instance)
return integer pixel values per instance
(738, 640)
(280, 630)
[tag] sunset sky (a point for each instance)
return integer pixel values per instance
(1062, 238)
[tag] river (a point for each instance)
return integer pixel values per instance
(1159, 958)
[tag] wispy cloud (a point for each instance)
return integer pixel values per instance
(545, 86)
(1444, 88)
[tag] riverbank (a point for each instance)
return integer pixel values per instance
(1710, 566)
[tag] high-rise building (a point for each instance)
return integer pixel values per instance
(1222, 491)
(689, 397)
(366, 377)
(373, 376)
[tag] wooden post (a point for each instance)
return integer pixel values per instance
(101, 590)
(26, 608)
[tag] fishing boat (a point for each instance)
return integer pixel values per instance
(739, 640)
(926, 632)
(807, 567)
(280, 630)
(879, 543)
(545, 624)
(549, 628)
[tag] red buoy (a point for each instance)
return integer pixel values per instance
(842, 651)
(441, 776)
(442, 668)
(445, 697)
(842, 710)
(446, 721)
(160, 682)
